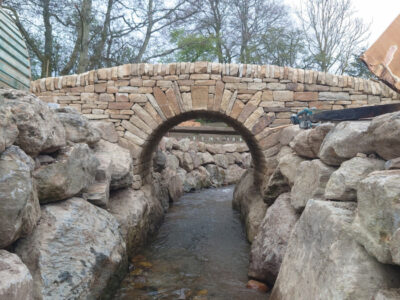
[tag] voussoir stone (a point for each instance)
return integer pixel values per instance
(345, 141)
(308, 142)
(248, 200)
(384, 134)
(78, 129)
(39, 127)
(269, 245)
(19, 204)
(322, 261)
(16, 281)
(73, 170)
(342, 184)
(310, 182)
(66, 254)
(376, 225)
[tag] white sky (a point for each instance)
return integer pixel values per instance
(379, 12)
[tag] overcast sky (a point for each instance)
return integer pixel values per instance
(380, 12)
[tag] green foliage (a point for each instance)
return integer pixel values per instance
(193, 47)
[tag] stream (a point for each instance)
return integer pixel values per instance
(200, 252)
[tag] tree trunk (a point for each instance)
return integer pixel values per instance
(86, 21)
(47, 64)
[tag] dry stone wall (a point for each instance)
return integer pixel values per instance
(143, 101)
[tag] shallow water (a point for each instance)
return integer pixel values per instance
(200, 252)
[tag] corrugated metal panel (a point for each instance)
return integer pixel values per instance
(15, 71)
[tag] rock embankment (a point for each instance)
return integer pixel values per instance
(71, 208)
(331, 229)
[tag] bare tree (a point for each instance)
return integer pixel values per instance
(333, 33)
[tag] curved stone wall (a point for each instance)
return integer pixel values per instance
(144, 101)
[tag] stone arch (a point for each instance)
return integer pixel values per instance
(149, 147)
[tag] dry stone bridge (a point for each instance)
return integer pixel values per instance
(144, 101)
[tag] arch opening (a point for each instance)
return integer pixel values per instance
(149, 148)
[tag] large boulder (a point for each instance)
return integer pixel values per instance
(277, 185)
(73, 170)
(75, 252)
(308, 142)
(221, 160)
(19, 204)
(288, 164)
(345, 141)
(207, 158)
(270, 243)
(288, 134)
(16, 282)
(322, 261)
(376, 225)
(342, 184)
(187, 162)
(310, 182)
(384, 134)
(233, 174)
(139, 215)
(159, 161)
(8, 128)
(390, 294)
(248, 200)
(107, 130)
(78, 129)
(217, 175)
(115, 164)
(40, 129)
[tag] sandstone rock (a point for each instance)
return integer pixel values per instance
(326, 262)
(16, 282)
(73, 171)
(183, 144)
(159, 161)
(308, 142)
(139, 215)
(342, 184)
(196, 159)
(187, 162)
(115, 165)
(288, 134)
(393, 164)
(215, 148)
(376, 225)
(277, 184)
(383, 131)
(310, 182)
(270, 243)
(8, 128)
(19, 204)
(175, 188)
(201, 147)
(242, 147)
(391, 294)
(249, 202)
(207, 158)
(98, 193)
(172, 162)
(75, 252)
(193, 146)
(40, 129)
(256, 285)
(78, 129)
(221, 160)
(233, 174)
(345, 141)
(247, 160)
(217, 175)
(229, 148)
(288, 165)
(160, 188)
(107, 130)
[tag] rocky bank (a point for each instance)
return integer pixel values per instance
(72, 210)
(331, 224)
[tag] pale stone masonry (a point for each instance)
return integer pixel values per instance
(145, 100)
